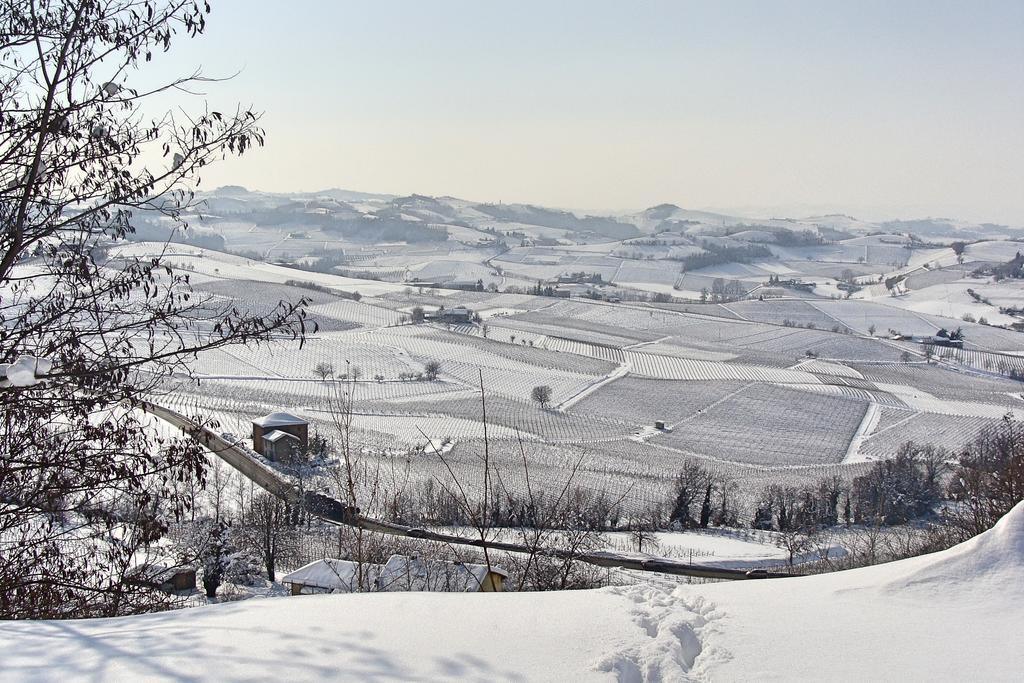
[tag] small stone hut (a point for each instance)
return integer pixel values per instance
(177, 579)
(278, 435)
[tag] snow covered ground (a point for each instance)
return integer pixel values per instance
(954, 615)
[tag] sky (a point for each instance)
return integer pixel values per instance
(876, 109)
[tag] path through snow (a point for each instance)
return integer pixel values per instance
(676, 625)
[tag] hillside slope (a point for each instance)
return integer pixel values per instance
(947, 616)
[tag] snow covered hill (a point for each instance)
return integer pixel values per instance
(954, 615)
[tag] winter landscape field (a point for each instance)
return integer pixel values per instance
(575, 341)
(795, 384)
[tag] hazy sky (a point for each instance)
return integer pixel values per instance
(882, 109)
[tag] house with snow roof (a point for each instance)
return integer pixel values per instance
(400, 573)
(403, 573)
(332, 576)
(278, 436)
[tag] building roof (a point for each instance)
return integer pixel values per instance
(402, 573)
(276, 435)
(278, 420)
(329, 574)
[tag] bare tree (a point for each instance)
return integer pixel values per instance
(356, 479)
(641, 531)
(266, 525)
(86, 487)
(554, 530)
(795, 541)
(216, 491)
(478, 515)
(542, 395)
(690, 486)
(323, 371)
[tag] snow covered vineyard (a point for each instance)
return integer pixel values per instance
(895, 618)
(745, 396)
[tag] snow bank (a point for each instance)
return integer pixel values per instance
(954, 615)
(991, 563)
(357, 637)
(950, 616)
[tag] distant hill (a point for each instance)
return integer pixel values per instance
(236, 202)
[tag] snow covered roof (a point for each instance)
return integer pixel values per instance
(330, 574)
(277, 435)
(278, 420)
(402, 573)
(24, 372)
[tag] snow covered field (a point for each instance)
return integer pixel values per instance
(763, 389)
(951, 616)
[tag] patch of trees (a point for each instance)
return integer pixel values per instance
(582, 277)
(714, 255)
(326, 262)
(1014, 268)
(223, 553)
(152, 231)
(924, 226)
(977, 297)
(312, 286)
(419, 202)
(650, 243)
(723, 290)
(892, 282)
(1012, 310)
(982, 484)
(431, 370)
(832, 235)
(367, 229)
(903, 488)
(955, 335)
(784, 237)
(540, 289)
(796, 238)
(535, 215)
(700, 497)
(988, 478)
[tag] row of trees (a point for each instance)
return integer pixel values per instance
(968, 491)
